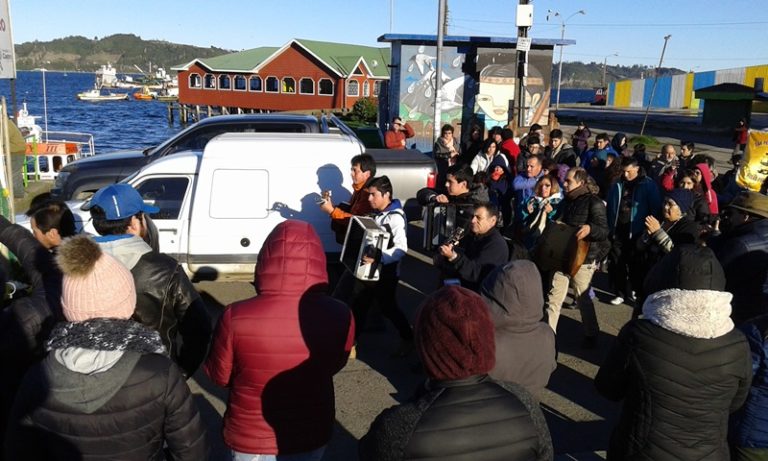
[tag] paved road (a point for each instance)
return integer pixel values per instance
(580, 421)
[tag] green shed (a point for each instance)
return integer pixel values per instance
(725, 104)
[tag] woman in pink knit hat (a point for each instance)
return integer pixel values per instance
(107, 389)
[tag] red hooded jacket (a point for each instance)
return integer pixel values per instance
(709, 194)
(278, 352)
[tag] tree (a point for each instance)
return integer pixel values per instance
(364, 110)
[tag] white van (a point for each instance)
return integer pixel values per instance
(217, 207)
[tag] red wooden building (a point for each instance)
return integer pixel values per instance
(300, 75)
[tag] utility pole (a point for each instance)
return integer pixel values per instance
(391, 14)
(605, 63)
(523, 21)
(562, 37)
(443, 6)
(655, 81)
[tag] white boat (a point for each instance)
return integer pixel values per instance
(49, 151)
(96, 94)
(106, 76)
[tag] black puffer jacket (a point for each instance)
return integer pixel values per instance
(166, 300)
(65, 410)
(475, 419)
(680, 371)
(26, 322)
(583, 207)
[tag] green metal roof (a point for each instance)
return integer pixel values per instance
(343, 57)
(244, 61)
(339, 57)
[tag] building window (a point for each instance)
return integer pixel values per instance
(273, 85)
(353, 88)
(325, 86)
(210, 82)
(376, 87)
(306, 86)
(254, 84)
(289, 85)
(239, 83)
(366, 89)
(225, 82)
(195, 81)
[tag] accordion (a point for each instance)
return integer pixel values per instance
(442, 220)
(364, 238)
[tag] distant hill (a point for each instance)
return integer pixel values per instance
(589, 75)
(122, 50)
(79, 53)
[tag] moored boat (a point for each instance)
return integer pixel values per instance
(144, 94)
(96, 94)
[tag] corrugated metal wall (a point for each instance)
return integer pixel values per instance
(636, 97)
(611, 94)
(730, 76)
(688, 99)
(753, 72)
(677, 91)
(702, 80)
(623, 91)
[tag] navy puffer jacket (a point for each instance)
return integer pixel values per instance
(749, 427)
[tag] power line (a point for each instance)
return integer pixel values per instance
(626, 25)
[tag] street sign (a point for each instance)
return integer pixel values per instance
(7, 55)
(523, 44)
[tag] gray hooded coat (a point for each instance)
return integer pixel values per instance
(525, 346)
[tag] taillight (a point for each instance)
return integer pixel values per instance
(432, 180)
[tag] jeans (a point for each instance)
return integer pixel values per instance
(580, 284)
(314, 455)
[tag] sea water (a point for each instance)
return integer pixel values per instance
(115, 125)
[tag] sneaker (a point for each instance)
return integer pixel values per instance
(617, 300)
(405, 347)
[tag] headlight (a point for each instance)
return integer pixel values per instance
(61, 179)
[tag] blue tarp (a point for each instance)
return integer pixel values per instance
(611, 93)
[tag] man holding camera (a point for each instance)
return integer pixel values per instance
(362, 170)
(475, 256)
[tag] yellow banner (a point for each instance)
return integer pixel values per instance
(754, 167)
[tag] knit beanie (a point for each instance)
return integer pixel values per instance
(94, 284)
(455, 334)
(683, 198)
(686, 267)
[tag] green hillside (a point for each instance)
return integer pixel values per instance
(589, 75)
(122, 50)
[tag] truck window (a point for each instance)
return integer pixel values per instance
(166, 194)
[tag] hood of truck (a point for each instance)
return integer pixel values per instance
(133, 158)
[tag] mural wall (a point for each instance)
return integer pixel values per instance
(497, 70)
(417, 91)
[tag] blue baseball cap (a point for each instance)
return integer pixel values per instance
(119, 201)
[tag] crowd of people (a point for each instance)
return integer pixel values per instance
(97, 351)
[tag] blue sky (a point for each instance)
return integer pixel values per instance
(706, 34)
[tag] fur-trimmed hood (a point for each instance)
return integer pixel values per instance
(701, 314)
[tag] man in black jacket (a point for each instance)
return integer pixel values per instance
(166, 300)
(478, 253)
(584, 209)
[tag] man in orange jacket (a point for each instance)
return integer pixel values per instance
(397, 134)
(363, 169)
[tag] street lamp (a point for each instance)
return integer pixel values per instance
(605, 62)
(562, 37)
